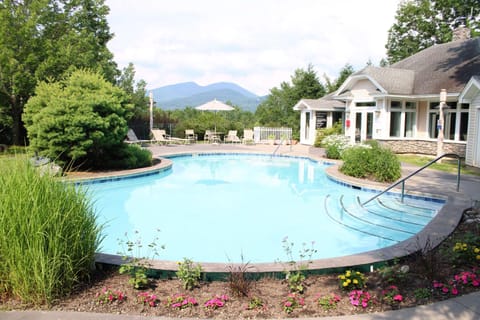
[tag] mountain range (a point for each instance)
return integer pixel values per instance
(190, 94)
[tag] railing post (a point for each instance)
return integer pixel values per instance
(403, 189)
(458, 173)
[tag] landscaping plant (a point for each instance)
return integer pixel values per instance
(82, 121)
(48, 234)
(137, 262)
(295, 274)
(239, 280)
(352, 279)
(189, 273)
(371, 161)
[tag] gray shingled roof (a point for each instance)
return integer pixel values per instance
(325, 103)
(445, 66)
(394, 81)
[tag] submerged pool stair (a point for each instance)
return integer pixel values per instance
(390, 219)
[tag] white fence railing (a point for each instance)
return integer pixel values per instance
(265, 134)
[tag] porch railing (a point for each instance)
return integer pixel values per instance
(264, 134)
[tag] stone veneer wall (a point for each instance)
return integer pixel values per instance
(427, 147)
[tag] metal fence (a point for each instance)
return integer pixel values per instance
(265, 134)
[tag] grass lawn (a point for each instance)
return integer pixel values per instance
(447, 165)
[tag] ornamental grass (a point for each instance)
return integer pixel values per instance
(48, 233)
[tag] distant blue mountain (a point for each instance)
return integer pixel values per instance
(190, 94)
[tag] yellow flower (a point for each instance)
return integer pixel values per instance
(355, 281)
(476, 250)
(342, 277)
(478, 257)
(345, 283)
(349, 281)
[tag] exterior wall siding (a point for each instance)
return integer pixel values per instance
(422, 120)
(473, 128)
(427, 147)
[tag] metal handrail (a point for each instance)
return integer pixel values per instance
(402, 181)
(280, 144)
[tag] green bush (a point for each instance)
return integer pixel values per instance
(371, 161)
(125, 156)
(336, 129)
(334, 145)
(78, 121)
(48, 234)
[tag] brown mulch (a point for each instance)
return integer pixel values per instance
(272, 291)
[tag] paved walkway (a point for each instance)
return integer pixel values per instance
(466, 307)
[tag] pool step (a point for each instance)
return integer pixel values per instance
(388, 222)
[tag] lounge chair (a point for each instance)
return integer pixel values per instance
(248, 137)
(232, 137)
(160, 136)
(132, 138)
(208, 136)
(191, 135)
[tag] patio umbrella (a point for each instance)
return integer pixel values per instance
(215, 106)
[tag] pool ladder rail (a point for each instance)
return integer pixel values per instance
(402, 181)
(280, 144)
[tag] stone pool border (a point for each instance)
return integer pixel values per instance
(441, 226)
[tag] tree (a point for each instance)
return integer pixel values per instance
(136, 92)
(42, 40)
(277, 109)
(80, 120)
(423, 23)
(346, 71)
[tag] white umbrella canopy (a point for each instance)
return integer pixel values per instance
(215, 105)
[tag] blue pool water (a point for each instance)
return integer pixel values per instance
(220, 208)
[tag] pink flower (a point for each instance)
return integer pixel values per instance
(288, 304)
(454, 291)
(398, 298)
(445, 290)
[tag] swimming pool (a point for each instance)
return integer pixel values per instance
(220, 208)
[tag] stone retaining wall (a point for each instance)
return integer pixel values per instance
(428, 147)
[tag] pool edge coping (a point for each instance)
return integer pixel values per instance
(439, 228)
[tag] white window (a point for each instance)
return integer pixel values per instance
(455, 119)
(403, 119)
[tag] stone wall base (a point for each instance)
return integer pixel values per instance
(427, 147)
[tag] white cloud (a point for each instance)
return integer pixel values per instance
(255, 43)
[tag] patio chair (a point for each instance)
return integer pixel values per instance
(248, 136)
(208, 136)
(191, 135)
(232, 137)
(132, 138)
(160, 136)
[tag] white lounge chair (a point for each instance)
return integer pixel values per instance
(160, 136)
(248, 136)
(208, 136)
(232, 137)
(191, 135)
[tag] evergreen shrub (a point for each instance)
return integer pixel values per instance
(371, 161)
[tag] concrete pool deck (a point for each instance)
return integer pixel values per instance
(429, 182)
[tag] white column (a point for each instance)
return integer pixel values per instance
(443, 99)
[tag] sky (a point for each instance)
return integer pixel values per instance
(257, 44)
